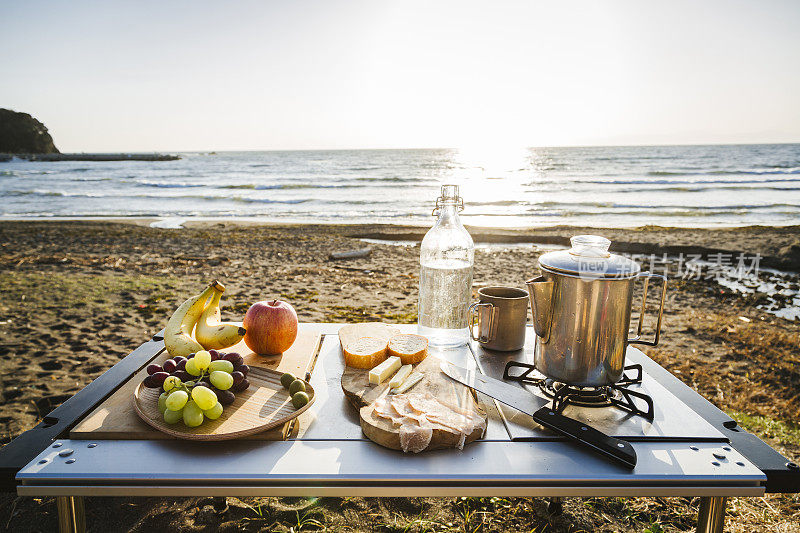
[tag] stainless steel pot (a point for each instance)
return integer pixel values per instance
(581, 312)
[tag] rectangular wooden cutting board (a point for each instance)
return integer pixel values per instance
(115, 418)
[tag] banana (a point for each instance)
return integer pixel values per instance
(178, 334)
(212, 333)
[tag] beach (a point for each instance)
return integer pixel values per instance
(77, 296)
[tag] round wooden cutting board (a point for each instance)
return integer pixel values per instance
(264, 405)
(362, 395)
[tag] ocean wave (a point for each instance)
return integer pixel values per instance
(290, 186)
(498, 202)
(735, 172)
(674, 182)
(168, 185)
(268, 201)
(32, 193)
(398, 179)
(89, 179)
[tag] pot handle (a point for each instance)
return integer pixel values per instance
(475, 320)
(637, 338)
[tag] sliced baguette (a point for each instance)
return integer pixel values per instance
(365, 352)
(410, 348)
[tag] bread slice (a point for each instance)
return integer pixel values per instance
(410, 348)
(352, 332)
(365, 352)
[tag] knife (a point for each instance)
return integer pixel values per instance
(539, 409)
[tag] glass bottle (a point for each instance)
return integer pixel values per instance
(446, 257)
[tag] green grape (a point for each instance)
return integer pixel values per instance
(191, 367)
(171, 382)
(172, 417)
(192, 415)
(202, 359)
(221, 380)
(214, 412)
(297, 385)
(287, 379)
(176, 400)
(299, 399)
(204, 397)
(162, 402)
(220, 365)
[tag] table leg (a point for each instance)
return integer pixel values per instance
(711, 516)
(71, 516)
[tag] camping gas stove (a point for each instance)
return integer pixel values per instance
(619, 394)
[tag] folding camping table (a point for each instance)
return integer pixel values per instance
(329, 456)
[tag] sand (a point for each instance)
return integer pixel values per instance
(78, 296)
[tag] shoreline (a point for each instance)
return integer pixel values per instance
(89, 156)
(777, 246)
(191, 221)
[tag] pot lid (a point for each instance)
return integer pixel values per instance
(589, 256)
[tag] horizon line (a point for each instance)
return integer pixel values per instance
(215, 150)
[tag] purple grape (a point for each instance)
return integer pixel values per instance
(203, 383)
(159, 377)
(241, 386)
(183, 375)
(225, 397)
(214, 354)
(237, 376)
(169, 366)
(234, 358)
(191, 355)
(244, 369)
(181, 365)
(179, 359)
(148, 382)
(153, 368)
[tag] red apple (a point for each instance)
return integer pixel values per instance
(271, 327)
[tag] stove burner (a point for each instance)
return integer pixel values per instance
(617, 395)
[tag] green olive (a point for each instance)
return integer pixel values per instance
(299, 399)
(297, 386)
(287, 379)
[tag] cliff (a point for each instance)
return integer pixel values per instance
(20, 133)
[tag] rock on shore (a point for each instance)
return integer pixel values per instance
(20, 133)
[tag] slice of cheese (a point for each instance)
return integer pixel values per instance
(411, 349)
(379, 374)
(401, 374)
(410, 381)
(365, 352)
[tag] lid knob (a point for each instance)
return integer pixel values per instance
(590, 246)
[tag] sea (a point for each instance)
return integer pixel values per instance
(684, 186)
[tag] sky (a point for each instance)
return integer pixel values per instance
(207, 75)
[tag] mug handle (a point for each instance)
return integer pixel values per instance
(475, 320)
(637, 338)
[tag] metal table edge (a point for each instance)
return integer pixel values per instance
(388, 490)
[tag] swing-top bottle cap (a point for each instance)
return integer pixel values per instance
(449, 193)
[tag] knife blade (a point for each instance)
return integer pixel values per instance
(539, 409)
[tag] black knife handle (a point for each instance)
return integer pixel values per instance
(617, 449)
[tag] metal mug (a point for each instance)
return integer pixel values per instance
(497, 320)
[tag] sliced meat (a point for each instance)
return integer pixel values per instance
(415, 438)
(417, 415)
